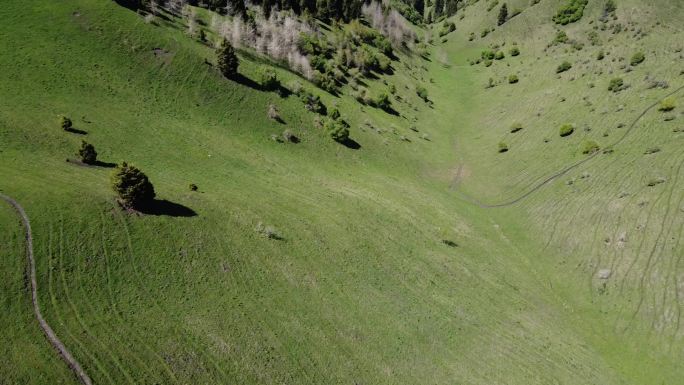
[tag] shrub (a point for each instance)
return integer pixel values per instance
(514, 51)
(447, 28)
(65, 123)
(564, 66)
(227, 60)
(561, 37)
(272, 112)
(87, 153)
(667, 104)
(590, 147)
(503, 14)
(325, 82)
(616, 85)
(503, 147)
(268, 232)
(383, 102)
(637, 59)
(487, 54)
(512, 79)
(515, 127)
(193, 187)
(335, 113)
(132, 186)
(337, 130)
(499, 55)
(566, 130)
(422, 93)
(600, 55)
(289, 136)
(269, 80)
(312, 102)
(570, 12)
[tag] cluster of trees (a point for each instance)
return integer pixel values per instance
(322, 9)
(571, 12)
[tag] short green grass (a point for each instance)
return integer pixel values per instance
(362, 288)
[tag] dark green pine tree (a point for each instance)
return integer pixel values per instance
(451, 7)
(238, 8)
(267, 6)
(439, 8)
(419, 6)
(132, 186)
(87, 153)
(227, 60)
(503, 14)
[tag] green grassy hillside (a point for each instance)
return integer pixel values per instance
(359, 285)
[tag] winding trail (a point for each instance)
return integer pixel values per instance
(565, 170)
(47, 330)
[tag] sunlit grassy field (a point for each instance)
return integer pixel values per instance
(361, 286)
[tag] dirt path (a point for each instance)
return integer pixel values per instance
(49, 333)
(565, 170)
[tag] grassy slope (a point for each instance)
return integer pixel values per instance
(608, 217)
(361, 289)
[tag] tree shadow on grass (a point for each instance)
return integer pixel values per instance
(245, 81)
(351, 143)
(167, 208)
(390, 110)
(99, 163)
(76, 131)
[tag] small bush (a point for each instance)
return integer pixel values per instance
(193, 187)
(326, 82)
(566, 130)
(383, 102)
(561, 37)
(512, 79)
(272, 112)
(590, 147)
(515, 127)
(616, 85)
(269, 80)
(514, 51)
(422, 93)
(487, 54)
(667, 104)
(312, 102)
(637, 59)
(87, 153)
(564, 66)
(600, 55)
(499, 55)
(503, 147)
(289, 136)
(268, 232)
(337, 130)
(334, 113)
(65, 123)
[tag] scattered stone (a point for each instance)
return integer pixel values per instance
(604, 273)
